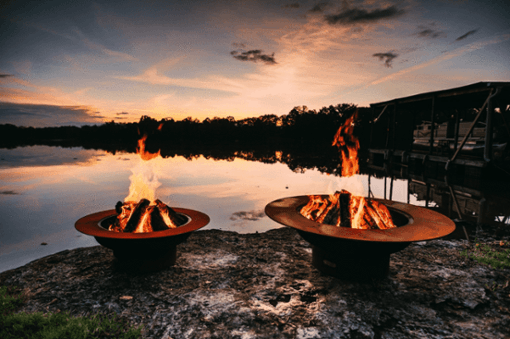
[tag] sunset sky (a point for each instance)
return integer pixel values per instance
(85, 62)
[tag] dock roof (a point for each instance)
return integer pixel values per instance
(483, 86)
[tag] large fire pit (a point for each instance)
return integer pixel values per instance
(357, 254)
(144, 252)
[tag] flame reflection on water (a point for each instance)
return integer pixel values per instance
(44, 198)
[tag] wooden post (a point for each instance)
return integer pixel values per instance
(427, 196)
(385, 187)
(469, 132)
(457, 126)
(372, 122)
(391, 188)
(487, 152)
(432, 127)
(393, 125)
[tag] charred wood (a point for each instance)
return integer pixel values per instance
(345, 212)
(136, 215)
(175, 218)
(156, 220)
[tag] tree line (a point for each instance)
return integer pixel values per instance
(302, 128)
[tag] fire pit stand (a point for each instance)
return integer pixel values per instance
(141, 252)
(356, 254)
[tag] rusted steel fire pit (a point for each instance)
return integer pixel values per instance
(356, 254)
(145, 252)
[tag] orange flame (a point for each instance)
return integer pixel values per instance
(348, 144)
(343, 208)
(146, 156)
(354, 212)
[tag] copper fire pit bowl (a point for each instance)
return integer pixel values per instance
(145, 252)
(356, 254)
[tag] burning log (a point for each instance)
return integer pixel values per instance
(171, 218)
(136, 215)
(383, 213)
(156, 220)
(345, 212)
(342, 209)
(145, 216)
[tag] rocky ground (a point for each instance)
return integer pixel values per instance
(229, 285)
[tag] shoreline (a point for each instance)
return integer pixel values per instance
(262, 285)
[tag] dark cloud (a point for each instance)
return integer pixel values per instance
(462, 37)
(238, 45)
(292, 5)
(387, 57)
(360, 15)
(430, 33)
(46, 115)
(122, 113)
(248, 215)
(254, 55)
(9, 192)
(5, 75)
(319, 8)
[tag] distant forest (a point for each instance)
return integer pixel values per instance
(302, 128)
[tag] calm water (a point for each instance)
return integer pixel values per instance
(44, 190)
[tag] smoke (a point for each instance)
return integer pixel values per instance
(144, 182)
(353, 184)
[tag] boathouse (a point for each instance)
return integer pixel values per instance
(461, 130)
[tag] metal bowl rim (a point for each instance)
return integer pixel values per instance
(90, 225)
(423, 224)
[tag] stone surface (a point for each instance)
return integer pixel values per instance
(229, 285)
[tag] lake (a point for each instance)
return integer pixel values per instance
(44, 190)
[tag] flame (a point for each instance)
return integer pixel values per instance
(143, 180)
(144, 155)
(141, 211)
(348, 145)
(344, 209)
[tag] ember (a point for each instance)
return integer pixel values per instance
(342, 209)
(144, 217)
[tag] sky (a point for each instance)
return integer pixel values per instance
(88, 62)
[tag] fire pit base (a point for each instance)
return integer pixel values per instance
(351, 259)
(354, 269)
(162, 253)
(141, 252)
(357, 254)
(146, 265)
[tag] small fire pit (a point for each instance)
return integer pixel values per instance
(360, 254)
(145, 252)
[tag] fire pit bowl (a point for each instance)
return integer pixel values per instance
(145, 252)
(356, 254)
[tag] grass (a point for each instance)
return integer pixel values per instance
(487, 255)
(57, 325)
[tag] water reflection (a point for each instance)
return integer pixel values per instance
(468, 199)
(44, 190)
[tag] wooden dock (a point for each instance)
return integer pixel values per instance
(462, 131)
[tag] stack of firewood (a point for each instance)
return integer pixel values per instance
(142, 216)
(343, 209)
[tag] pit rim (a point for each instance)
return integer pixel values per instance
(90, 225)
(423, 224)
